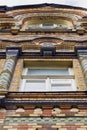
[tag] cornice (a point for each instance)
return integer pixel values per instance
(14, 104)
(12, 100)
(78, 94)
(15, 10)
(45, 5)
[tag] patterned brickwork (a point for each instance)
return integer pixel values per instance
(47, 120)
(81, 85)
(21, 119)
(14, 86)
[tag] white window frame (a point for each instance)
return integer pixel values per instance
(49, 80)
(23, 83)
(48, 85)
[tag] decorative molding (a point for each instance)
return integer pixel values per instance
(45, 102)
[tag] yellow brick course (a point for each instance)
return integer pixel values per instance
(31, 128)
(14, 86)
(56, 126)
(84, 126)
(37, 126)
(8, 126)
(2, 62)
(81, 85)
(81, 128)
(13, 129)
(62, 128)
(1, 121)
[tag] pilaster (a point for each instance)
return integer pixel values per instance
(82, 55)
(12, 54)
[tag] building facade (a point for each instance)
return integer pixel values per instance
(43, 67)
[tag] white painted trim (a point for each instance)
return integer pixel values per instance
(71, 72)
(22, 85)
(25, 71)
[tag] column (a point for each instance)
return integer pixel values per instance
(12, 54)
(82, 54)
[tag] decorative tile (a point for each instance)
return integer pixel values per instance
(46, 120)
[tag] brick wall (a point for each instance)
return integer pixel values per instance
(19, 119)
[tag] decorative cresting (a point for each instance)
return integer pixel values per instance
(12, 54)
(82, 54)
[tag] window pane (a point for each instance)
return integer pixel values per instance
(47, 25)
(61, 85)
(48, 72)
(34, 85)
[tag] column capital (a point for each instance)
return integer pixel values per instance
(13, 52)
(81, 51)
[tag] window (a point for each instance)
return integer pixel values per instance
(47, 25)
(47, 71)
(62, 85)
(37, 85)
(44, 85)
(47, 51)
(48, 79)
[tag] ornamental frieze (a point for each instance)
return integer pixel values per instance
(46, 120)
(36, 43)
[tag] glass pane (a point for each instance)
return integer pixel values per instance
(34, 85)
(47, 24)
(61, 85)
(47, 53)
(48, 72)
